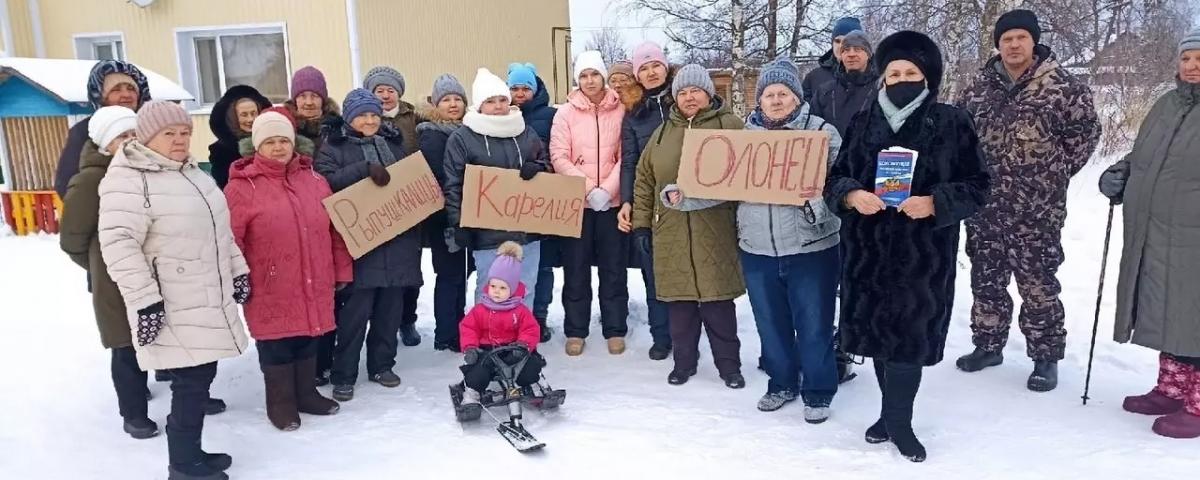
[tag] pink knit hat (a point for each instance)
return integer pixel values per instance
(645, 53)
(156, 116)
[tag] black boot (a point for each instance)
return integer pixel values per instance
(217, 461)
(194, 471)
(141, 428)
(161, 376)
(901, 382)
(188, 461)
(1044, 377)
(409, 335)
(214, 406)
(979, 360)
(660, 352)
(547, 333)
(877, 433)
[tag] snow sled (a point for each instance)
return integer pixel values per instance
(504, 391)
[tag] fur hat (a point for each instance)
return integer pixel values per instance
(915, 47)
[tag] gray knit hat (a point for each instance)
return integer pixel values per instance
(447, 84)
(1191, 41)
(857, 38)
(384, 76)
(693, 75)
(781, 71)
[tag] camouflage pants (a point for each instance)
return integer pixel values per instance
(1032, 255)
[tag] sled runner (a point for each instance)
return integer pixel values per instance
(504, 391)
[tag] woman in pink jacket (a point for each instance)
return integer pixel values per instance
(296, 261)
(585, 141)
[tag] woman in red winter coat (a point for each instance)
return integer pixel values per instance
(500, 318)
(296, 262)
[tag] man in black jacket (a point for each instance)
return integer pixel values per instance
(111, 82)
(824, 71)
(853, 86)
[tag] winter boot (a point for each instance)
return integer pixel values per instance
(308, 399)
(616, 346)
(343, 393)
(877, 433)
(1184, 423)
(386, 378)
(547, 334)
(678, 377)
(409, 335)
(816, 415)
(660, 352)
(281, 396)
(979, 360)
(734, 380)
(217, 461)
(194, 471)
(775, 400)
(1044, 377)
(214, 406)
(141, 428)
(322, 378)
(188, 461)
(901, 383)
(1166, 397)
(574, 347)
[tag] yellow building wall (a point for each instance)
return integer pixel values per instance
(426, 38)
(22, 30)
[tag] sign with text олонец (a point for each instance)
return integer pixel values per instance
(368, 215)
(497, 199)
(782, 167)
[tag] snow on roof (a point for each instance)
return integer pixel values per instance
(67, 79)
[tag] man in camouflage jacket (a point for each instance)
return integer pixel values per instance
(1037, 129)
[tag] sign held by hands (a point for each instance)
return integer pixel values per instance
(782, 167)
(498, 199)
(368, 215)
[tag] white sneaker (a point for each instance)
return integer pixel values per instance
(470, 396)
(816, 414)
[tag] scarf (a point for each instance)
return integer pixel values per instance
(393, 112)
(1188, 92)
(499, 126)
(505, 306)
(768, 123)
(374, 148)
(897, 116)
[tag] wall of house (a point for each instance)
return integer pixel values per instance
(22, 30)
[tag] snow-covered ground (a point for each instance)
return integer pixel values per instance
(621, 419)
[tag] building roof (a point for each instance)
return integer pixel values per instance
(66, 80)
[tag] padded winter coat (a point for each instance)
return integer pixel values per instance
(537, 112)
(432, 136)
(295, 256)
(406, 121)
(165, 237)
(586, 142)
(648, 113)
(78, 237)
(1157, 302)
(818, 76)
(695, 253)
(223, 123)
(838, 100)
(485, 327)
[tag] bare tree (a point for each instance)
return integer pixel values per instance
(772, 25)
(738, 25)
(609, 42)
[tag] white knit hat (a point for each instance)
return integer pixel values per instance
(485, 86)
(108, 123)
(271, 124)
(590, 59)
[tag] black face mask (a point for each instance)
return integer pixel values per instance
(903, 93)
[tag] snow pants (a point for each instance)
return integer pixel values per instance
(129, 381)
(479, 375)
(600, 243)
(449, 291)
(185, 424)
(382, 309)
(719, 319)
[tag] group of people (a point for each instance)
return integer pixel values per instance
(171, 252)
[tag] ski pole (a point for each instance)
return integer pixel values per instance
(1099, 296)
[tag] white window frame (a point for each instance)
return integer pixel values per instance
(185, 55)
(85, 44)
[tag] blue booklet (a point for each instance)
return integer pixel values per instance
(893, 175)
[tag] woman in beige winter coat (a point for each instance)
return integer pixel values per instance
(166, 240)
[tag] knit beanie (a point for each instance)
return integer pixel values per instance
(781, 71)
(358, 102)
(447, 84)
(846, 25)
(623, 67)
(645, 53)
(857, 38)
(282, 110)
(108, 123)
(522, 74)
(309, 79)
(507, 266)
(1191, 41)
(693, 75)
(384, 76)
(590, 60)
(271, 124)
(485, 86)
(156, 116)
(1022, 19)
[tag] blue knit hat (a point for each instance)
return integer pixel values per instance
(846, 25)
(359, 101)
(522, 74)
(781, 71)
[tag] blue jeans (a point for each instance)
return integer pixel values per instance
(529, 270)
(544, 295)
(660, 325)
(793, 300)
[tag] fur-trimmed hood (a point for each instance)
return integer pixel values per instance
(311, 127)
(634, 96)
(222, 121)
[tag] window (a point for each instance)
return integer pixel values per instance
(212, 60)
(100, 47)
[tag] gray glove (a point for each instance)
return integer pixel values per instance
(599, 200)
(1113, 180)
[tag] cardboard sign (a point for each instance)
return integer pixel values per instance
(497, 199)
(782, 167)
(368, 215)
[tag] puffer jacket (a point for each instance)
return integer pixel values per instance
(489, 148)
(295, 256)
(586, 142)
(341, 160)
(538, 113)
(848, 93)
(78, 237)
(641, 121)
(695, 253)
(223, 123)
(432, 136)
(165, 237)
(487, 327)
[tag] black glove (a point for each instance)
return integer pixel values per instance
(456, 239)
(641, 240)
(518, 354)
(472, 356)
(378, 174)
(241, 289)
(1113, 180)
(151, 320)
(529, 169)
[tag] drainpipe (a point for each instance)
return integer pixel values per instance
(6, 29)
(35, 18)
(352, 31)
